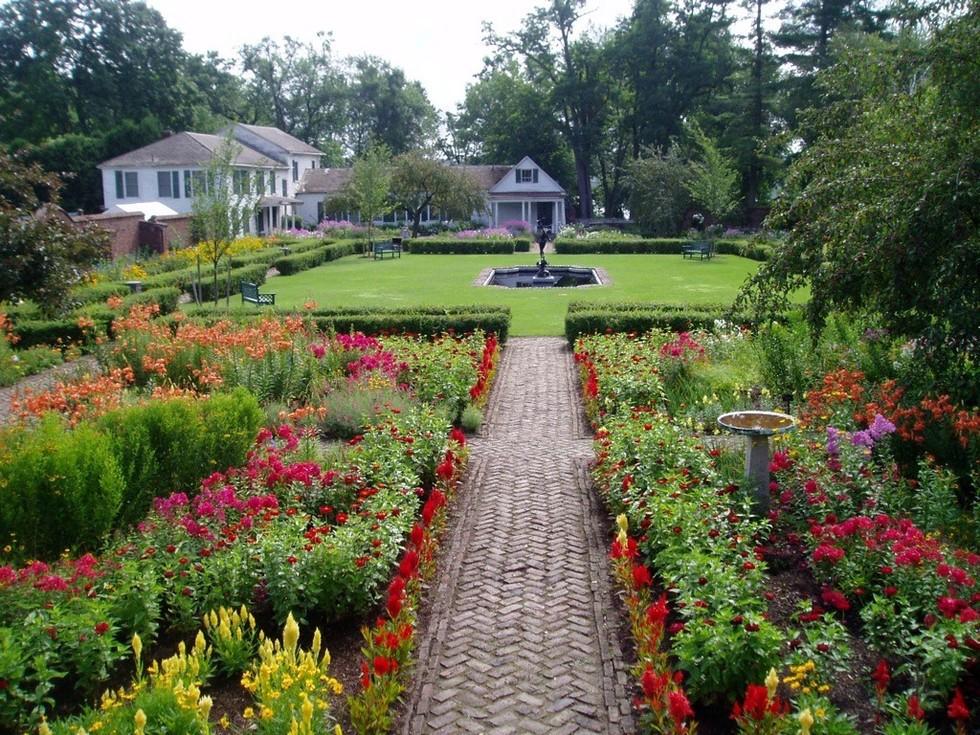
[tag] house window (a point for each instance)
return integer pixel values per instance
(319, 211)
(295, 170)
(198, 183)
(239, 181)
(168, 184)
(284, 188)
(127, 185)
(527, 175)
(260, 181)
(272, 182)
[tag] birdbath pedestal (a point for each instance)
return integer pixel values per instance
(757, 427)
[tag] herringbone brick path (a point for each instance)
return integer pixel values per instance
(522, 634)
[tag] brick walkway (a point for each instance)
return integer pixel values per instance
(522, 634)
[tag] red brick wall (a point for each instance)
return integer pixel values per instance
(178, 233)
(123, 230)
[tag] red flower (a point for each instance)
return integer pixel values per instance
(755, 704)
(458, 436)
(914, 709)
(957, 709)
(409, 564)
(445, 469)
(382, 665)
(881, 677)
(641, 577)
(654, 684)
(657, 612)
(101, 628)
(679, 707)
(394, 605)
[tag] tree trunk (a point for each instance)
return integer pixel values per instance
(584, 180)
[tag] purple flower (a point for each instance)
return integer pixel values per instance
(833, 441)
(881, 427)
(862, 439)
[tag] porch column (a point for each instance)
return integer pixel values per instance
(494, 222)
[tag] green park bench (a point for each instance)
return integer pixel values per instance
(703, 249)
(250, 293)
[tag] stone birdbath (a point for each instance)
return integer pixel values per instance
(757, 427)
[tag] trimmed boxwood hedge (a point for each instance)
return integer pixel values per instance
(167, 298)
(33, 332)
(99, 292)
(658, 246)
(425, 320)
(457, 246)
(287, 265)
(592, 318)
(229, 283)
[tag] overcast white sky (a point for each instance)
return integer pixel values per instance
(438, 43)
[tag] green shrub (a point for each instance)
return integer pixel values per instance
(475, 246)
(97, 293)
(229, 283)
(593, 318)
(166, 446)
(311, 258)
(657, 246)
(472, 419)
(351, 410)
(167, 297)
(422, 320)
(16, 364)
(52, 331)
(64, 488)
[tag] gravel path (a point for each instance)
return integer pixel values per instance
(522, 633)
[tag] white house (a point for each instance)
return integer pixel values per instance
(168, 171)
(522, 192)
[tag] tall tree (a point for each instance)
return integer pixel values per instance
(569, 70)
(297, 87)
(41, 256)
(368, 191)
(805, 35)
(222, 207)
(713, 180)
(386, 109)
(883, 207)
(508, 117)
(418, 182)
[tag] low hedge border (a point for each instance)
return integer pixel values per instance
(476, 246)
(96, 293)
(424, 320)
(594, 318)
(287, 265)
(658, 246)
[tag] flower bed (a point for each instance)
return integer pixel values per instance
(286, 533)
(868, 548)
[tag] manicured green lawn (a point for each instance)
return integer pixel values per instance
(448, 279)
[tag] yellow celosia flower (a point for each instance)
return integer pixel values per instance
(290, 634)
(772, 682)
(140, 720)
(806, 721)
(137, 646)
(204, 707)
(43, 728)
(622, 522)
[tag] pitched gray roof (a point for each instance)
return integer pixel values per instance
(185, 149)
(323, 180)
(282, 139)
(331, 180)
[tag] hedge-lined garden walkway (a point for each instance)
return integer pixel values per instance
(522, 632)
(86, 365)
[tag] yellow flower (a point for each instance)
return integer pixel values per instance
(43, 728)
(290, 634)
(204, 707)
(140, 719)
(806, 721)
(772, 681)
(249, 713)
(266, 713)
(224, 722)
(337, 730)
(137, 645)
(622, 522)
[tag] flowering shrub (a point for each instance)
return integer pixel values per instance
(490, 233)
